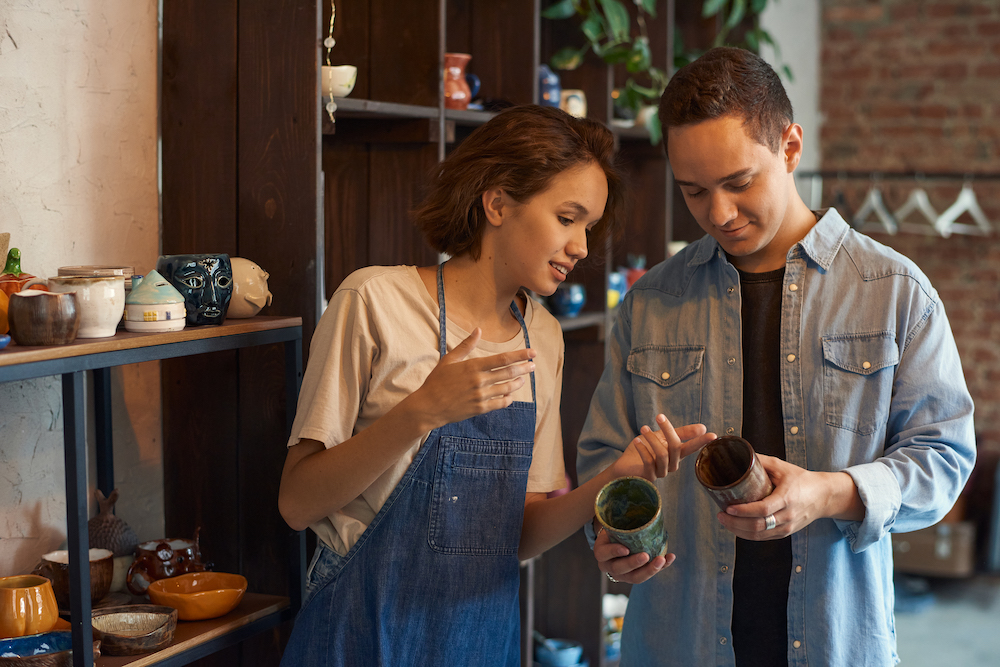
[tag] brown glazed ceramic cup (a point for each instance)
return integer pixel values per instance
(731, 472)
(160, 559)
(43, 318)
(55, 568)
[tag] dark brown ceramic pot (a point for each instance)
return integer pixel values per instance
(55, 567)
(730, 471)
(43, 318)
(159, 559)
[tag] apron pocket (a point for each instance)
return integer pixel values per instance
(477, 503)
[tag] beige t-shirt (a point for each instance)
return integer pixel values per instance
(375, 345)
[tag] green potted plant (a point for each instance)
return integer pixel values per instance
(609, 32)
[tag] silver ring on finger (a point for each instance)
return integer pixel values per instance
(770, 522)
(612, 579)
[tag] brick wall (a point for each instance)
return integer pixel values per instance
(913, 85)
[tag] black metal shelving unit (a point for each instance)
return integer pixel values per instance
(99, 356)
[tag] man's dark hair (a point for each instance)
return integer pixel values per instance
(728, 82)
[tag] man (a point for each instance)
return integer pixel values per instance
(829, 352)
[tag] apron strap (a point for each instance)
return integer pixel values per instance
(443, 328)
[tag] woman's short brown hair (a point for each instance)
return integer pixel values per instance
(727, 81)
(520, 150)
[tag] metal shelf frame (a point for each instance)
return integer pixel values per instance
(99, 358)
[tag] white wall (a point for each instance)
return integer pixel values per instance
(794, 25)
(78, 185)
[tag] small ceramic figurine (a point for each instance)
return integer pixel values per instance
(205, 281)
(12, 279)
(250, 292)
(154, 304)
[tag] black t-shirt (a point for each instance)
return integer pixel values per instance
(760, 577)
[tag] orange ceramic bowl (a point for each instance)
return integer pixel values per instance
(199, 595)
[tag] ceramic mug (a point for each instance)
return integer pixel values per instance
(629, 509)
(54, 566)
(731, 472)
(27, 606)
(159, 559)
(37, 317)
(338, 80)
(100, 300)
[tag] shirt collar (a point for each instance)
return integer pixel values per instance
(821, 244)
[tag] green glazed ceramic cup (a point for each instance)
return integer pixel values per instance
(629, 508)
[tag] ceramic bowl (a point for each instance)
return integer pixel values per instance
(134, 629)
(49, 649)
(54, 566)
(4, 340)
(43, 318)
(559, 653)
(199, 595)
(99, 270)
(338, 80)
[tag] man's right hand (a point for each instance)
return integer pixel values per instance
(614, 559)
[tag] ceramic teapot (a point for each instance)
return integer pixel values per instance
(159, 559)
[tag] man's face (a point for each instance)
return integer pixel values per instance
(737, 189)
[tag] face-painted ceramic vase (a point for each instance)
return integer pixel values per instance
(205, 282)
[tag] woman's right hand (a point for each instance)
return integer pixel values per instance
(459, 388)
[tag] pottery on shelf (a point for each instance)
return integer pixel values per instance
(134, 629)
(12, 278)
(549, 88)
(100, 300)
(568, 299)
(338, 80)
(250, 292)
(154, 304)
(54, 566)
(457, 93)
(27, 605)
(99, 270)
(43, 318)
(160, 559)
(205, 281)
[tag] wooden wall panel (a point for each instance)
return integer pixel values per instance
(404, 51)
(198, 126)
(398, 180)
(346, 209)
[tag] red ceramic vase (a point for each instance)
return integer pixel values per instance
(457, 94)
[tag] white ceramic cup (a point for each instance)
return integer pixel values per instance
(99, 299)
(338, 80)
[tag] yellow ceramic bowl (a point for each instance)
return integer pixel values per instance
(199, 595)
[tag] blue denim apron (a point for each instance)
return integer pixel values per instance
(433, 580)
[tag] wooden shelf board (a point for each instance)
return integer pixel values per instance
(468, 116)
(127, 340)
(190, 634)
(349, 107)
(581, 321)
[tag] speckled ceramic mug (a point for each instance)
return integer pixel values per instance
(630, 510)
(731, 472)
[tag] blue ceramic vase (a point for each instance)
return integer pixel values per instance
(568, 299)
(549, 90)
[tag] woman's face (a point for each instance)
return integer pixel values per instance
(541, 240)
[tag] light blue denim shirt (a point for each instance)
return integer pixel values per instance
(871, 384)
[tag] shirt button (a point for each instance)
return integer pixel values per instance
(793, 287)
(798, 568)
(790, 357)
(867, 364)
(730, 430)
(724, 569)
(722, 640)
(731, 289)
(794, 430)
(665, 375)
(731, 360)
(796, 643)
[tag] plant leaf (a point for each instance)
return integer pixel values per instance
(616, 54)
(654, 127)
(562, 9)
(712, 7)
(737, 13)
(788, 72)
(618, 19)
(752, 41)
(758, 6)
(567, 58)
(594, 28)
(639, 57)
(648, 6)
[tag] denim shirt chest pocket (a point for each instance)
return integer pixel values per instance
(669, 378)
(857, 380)
(478, 497)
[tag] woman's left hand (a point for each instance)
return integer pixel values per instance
(653, 454)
